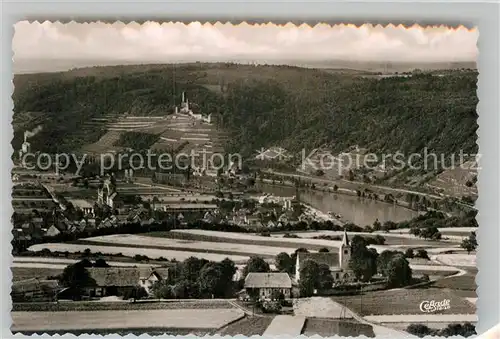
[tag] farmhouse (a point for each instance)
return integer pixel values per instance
(112, 280)
(337, 262)
(118, 280)
(265, 285)
(34, 290)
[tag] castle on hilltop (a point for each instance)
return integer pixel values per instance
(184, 109)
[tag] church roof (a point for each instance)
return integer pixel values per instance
(328, 258)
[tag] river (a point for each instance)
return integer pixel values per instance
(360, 211)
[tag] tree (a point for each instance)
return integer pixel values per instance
(363, 261)
(419, 330)
(100, 263)
(325, 278)
(409, 253)
(228, 268)
(294, 254)
(469, 244)
(431, 232)
(421, 253)
(398, 272)
(191, 267)
(309, 274)
(383, 260)
(257, 265)
(415, 231)
(135, 293)
(284, 262)
(76, 276)
(211, 280)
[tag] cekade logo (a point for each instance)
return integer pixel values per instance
(434, 306)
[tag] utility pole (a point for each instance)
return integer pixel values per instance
(361, 298)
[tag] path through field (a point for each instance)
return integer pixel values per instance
(286, 325)
(327, 308)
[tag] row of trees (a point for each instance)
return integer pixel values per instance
(197, 278)
(366, 262)
(463, 330)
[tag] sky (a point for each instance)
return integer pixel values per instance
(44, 46)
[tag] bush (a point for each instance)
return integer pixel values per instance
(422, 254)
(419, 330)
(135, 293)
(271, 306)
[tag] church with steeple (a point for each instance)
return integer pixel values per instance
(338, 262)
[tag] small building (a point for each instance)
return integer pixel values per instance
(84, 205)
(34, 290)
(150, 276)
(265, 285)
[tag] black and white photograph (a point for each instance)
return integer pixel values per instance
(244, 179)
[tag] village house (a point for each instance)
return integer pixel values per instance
(267, 285)
(34, 289)
(118, 280)
(111, 281)
(149, 276)
(84, 205)
(337, 262)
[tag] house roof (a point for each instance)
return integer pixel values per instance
(81, 203)
(33, 284)
(269, 280)
(160, 272)
(329, 258)
(345, 239)
(115, 276)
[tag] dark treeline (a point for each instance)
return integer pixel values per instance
(260, 106)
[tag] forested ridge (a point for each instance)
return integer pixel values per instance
(260, 106)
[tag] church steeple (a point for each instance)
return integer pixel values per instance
(344, 252)
(345, 240)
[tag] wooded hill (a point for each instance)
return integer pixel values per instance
(260, 106)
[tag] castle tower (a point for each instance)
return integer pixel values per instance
(345, 252)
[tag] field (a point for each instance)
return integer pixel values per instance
(247, 326)
(311, 244)
(458, 259)
(457, 231)
(29, 261)
(245, 238)
(403, 301)
(124, 306)
(465, 282)
(136, 319)
(390, 238)
(24, 273)
(132, 251)
(423, 318)
(329, 328)
(129, 240)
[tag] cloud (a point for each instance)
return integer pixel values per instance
(174, 42)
